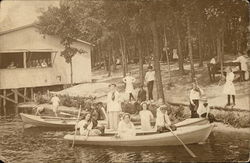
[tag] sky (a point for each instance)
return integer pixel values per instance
(16, 13)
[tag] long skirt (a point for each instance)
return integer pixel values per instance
(113, 119)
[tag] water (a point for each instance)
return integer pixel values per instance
(43, 145)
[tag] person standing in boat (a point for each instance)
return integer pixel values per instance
(126, 128)
(129, 80)
(229, 88)
(194, 97)
(145, 116)
(55, 103)
(86, 126)
(163, 122)
(113, 107)
(149, 79)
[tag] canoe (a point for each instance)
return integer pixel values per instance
(70, 122)
(188, 134)
(56, 122)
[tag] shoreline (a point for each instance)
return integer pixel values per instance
(221, 127)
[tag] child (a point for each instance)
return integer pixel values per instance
(55, 103)
(204, 111)
(229, 88)
(194, 96)
(141, 95)
(149, 78)
(129, 80)
(145, 116)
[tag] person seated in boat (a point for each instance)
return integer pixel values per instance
(86, 126)
(163, 122)
(95, 124)
(204, 111)
(126, 128)
(145, 116)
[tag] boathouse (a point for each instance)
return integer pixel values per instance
(29, 59)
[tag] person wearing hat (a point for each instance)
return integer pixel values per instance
(145, 116)
(113, 107)
(228, 87)
(204, 111)
(150, 78)
(163, 122)
(243, 65)
(126, 128)
(129, 80)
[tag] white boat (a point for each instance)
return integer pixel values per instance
(189, 135)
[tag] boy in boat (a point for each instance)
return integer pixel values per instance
(163, 123)
(55, 103)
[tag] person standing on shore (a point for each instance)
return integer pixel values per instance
(243, 64)
(229, 88)
(113, 107)
(55, 103)
(194, 97)
(129, 80)
(149, 79)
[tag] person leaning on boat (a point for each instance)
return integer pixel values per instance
(163, 122)
(113, 107)
(86, 126)
(194, 96)
(126, 128)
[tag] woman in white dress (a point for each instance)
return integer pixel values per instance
(145, 116)
(113, 107)
(129, 80)
(229, 88)
(126, 128)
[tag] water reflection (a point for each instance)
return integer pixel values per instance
(44, 145)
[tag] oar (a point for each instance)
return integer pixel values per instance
(79, 112)
(187, 149)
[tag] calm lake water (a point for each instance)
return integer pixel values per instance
(40, 145)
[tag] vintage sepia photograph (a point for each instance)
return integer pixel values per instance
(120, 81)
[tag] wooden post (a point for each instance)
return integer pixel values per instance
(25, 94)
(4, 102)
(16, 100)
(32, 94)
(24, 60)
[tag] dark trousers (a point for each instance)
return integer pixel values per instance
(193, 109)
(228, 99)
(131, 96)
(150, 86)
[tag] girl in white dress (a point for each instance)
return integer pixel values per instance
(229, 88)
(145, 116)
(129, 80)
(126, 128)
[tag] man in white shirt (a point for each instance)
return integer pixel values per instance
(55, 103)
(243, 64)
(149, 79)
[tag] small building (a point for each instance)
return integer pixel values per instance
(29, 59)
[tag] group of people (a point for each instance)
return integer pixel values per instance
(39, 63)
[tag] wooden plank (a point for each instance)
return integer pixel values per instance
(18, 93)
(6, 98)
(24, 60)
(4, 102)
(9, 94)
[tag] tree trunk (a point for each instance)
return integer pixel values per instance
(156, 53)
(71, 72)
(190, 52)
(140, 61)
(123, 56)
(109, 61)
(179, 52)
(200, 51)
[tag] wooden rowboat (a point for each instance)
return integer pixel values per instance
(56, 122)
(70, 122)
(188, 134)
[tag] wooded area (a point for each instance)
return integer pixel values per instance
(135, 31)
